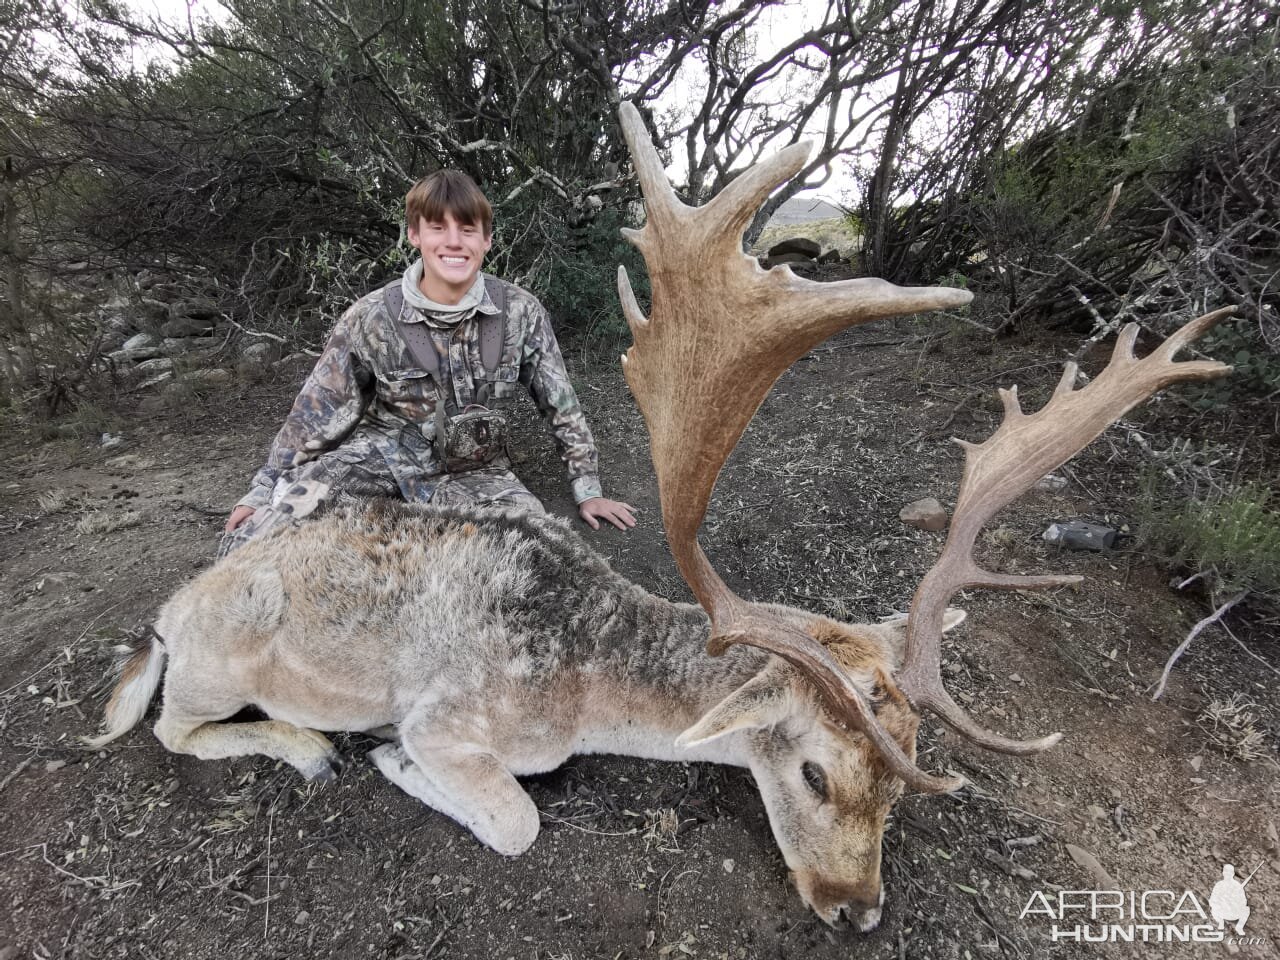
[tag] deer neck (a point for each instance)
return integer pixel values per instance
(654, 679)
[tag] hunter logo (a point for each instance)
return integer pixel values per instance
(1148, 916)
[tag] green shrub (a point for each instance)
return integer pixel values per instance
(1236, 535)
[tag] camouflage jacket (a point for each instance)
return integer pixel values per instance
(368, 394)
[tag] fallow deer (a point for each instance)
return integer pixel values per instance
(498, 644)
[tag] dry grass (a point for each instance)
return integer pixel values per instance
(1231, 726)
(52, 501)
(104, 521)
(661, 829)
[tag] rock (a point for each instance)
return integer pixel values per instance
(173, 346)
(796, 245)
(142, 341)
(149, 368)
(832, 256)
(159, 378)
(186, 326)
(1080, 535)
(54, 765)
(199, 307)
(110, 440)
(261, 352)
(156, 311)
(926, 514)
(1096, 812)
(1052, 482)
(302, 917)
(142, 346)
(212, 377)
(772, 261)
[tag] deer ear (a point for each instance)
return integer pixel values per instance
(895, 628)
(760, 702)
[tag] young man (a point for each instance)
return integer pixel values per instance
(408, 398)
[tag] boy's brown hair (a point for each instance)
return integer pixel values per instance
(448, 191)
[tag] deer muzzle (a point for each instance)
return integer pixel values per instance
(859, 902)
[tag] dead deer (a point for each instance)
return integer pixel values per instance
(499, 644)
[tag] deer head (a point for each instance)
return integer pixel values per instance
(835, 716)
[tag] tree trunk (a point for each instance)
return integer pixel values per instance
(15, 355)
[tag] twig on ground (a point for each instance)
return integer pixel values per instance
(83, 634)
(1238, 641)
(598, 833)
(12, 775)
(259, 333)
(1195, 632)
(266, 913)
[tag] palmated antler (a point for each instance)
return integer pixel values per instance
(721, 332)
(999, 470)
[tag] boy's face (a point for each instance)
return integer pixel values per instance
(451, 255)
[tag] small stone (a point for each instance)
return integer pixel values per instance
(1195, 763)
(1016, 678)
(728, 866)
(926, 514)
(54, 765)
(302, 917)
(1096, 812)
(1052, 482)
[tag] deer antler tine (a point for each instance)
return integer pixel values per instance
(636, 319)
(653, 179)
(1024, 448)
(738, 202)
(1195, 329)
(1070, 373)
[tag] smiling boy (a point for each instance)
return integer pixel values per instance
(409, 397)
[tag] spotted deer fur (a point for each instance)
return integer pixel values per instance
(498, 645)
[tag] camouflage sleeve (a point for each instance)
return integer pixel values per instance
(542, 372)
(328, 407)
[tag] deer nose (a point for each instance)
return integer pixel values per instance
(859, 901)
(864, 915)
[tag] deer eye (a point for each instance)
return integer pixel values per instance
(815, 779)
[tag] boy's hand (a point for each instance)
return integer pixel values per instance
(238, 516)
(621, 515)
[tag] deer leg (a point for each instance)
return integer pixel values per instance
(185, 730)
(466, 783)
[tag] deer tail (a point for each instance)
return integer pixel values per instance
(141, 668)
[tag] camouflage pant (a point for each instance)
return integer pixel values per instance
(342, 475)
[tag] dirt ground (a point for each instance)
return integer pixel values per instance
(132, 852)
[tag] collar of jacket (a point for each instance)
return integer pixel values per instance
(442, 315)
